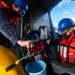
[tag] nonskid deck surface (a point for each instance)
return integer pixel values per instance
(63, 69)
(55, 69)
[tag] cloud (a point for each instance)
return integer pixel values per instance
(63, 2)
(73, 11)
(69, 15)
(73, 18)
(60, 4)
(65, 13)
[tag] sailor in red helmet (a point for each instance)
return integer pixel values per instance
(10, 13)
(67, 43)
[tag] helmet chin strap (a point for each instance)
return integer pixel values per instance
(17, 9)
(64, 35)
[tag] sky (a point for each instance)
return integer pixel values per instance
(65, 9)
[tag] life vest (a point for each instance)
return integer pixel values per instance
(67, 49)
(9, 14)
(38, 48)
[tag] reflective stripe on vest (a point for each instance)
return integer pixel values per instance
(63, 51)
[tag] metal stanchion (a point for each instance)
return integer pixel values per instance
(21, 36)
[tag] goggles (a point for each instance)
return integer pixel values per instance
(67, 29)
(62, 32)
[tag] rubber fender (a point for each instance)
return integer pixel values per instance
(7, 58)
